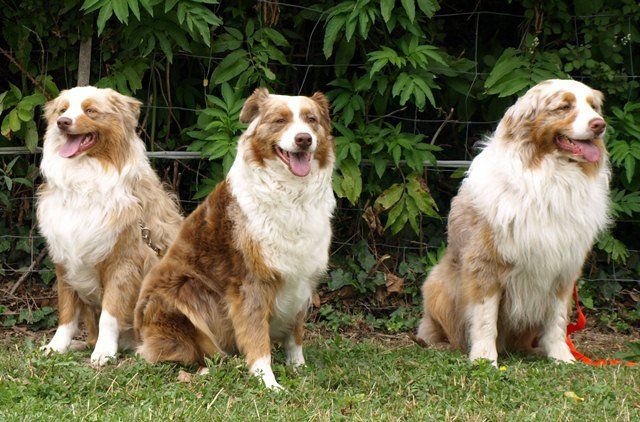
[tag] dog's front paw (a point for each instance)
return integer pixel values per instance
(103, 354)
(56, 346)
(487, 352)
(296, 360)
(561, 355)
(262, 368)
(273, 385)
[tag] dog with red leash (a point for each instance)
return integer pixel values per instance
(521, 226)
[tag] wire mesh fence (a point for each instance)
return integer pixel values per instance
(481, 25)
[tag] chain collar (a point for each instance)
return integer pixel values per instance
(145, 232)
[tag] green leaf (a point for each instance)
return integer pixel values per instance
(231, 66)
(133, 5)
(14, 121)
(103, 17)
(331, 34)
(215, 150)
(31, 136)
(390, 196)
(428, 7)
(169, 4)
(121, 10)
(351, 183)
(276, 37)
(410, 8)
(380, 165)
(386, 7)
(147, 5)
(629, 167)
(507, 63)
(90, 5)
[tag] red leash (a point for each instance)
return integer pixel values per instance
(579, 325)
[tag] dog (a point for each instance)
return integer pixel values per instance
(521, 226)
(99, 198)
(241, 273)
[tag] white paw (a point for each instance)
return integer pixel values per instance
(61, 340)
(58, 344)
(272, 385)
(296, 360)
(262, 368)
(53, 347)
(293, 351)
(487, 353)
(103, 354)
(561, 355)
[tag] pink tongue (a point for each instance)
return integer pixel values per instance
(589, 151)
(300, 163)
(71, 147)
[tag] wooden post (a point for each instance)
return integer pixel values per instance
(84, 62)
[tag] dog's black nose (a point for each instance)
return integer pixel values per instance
(597, 125)
(303, 140)
(64, 122)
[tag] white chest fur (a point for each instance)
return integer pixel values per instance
(544, 220)
(289, 217)
(82, 210)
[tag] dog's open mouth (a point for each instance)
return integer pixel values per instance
(77, 144)
(585, 149)
(299, 163)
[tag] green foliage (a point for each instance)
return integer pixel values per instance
(251, 50)
(393, 71)
(193, 16)
(20, 120)
(516, 70)
(624, 141)
(632, 354)
(42, 318)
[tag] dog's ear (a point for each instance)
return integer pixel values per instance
(525, 109)
(50, 108)
(598, 97)
(251, 107)
(324, 107)
(129, 108)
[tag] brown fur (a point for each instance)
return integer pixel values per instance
(113, 118)
(472, 270)
(213, 292)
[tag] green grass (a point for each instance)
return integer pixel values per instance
(361, 380)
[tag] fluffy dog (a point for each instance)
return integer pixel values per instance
(241, 273)
(99, 191)
(521, 226)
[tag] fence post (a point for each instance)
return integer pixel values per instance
(84, 61)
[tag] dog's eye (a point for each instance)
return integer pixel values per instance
(91, 111)
(312, 119)
(564, 107)
(280, 121)
(63, 109)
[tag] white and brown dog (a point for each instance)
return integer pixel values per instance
(99, 188)
(521, 226)
(241, 273)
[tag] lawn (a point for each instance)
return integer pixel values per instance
(365, 379)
